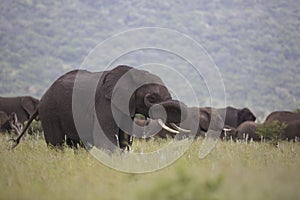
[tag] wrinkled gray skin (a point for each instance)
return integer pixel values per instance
(247, 130)
(291, 131)
(23, 106)
(57, 117)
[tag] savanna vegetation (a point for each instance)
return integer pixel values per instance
(231, 171)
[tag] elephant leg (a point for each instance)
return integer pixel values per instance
(54, 134)
(72, 143)
(125, 140)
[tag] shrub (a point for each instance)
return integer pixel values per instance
(271, 130)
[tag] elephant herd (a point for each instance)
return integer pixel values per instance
(108, 109)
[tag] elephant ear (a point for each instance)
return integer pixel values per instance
(28, 104)
(110, 80)
(243, 115)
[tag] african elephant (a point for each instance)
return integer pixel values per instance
(283, 116)
(98, 108)
(291, 131)
(8, 123)
(235, 116)
(23, 106)
(247, 130)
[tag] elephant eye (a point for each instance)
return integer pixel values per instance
(153, 98)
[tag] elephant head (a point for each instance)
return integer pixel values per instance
(245, 115)
(141, 92)
(228, 133)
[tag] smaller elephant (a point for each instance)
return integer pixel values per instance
(8, 123)
(292, 131)
(234, 116)
(247, 131)
(23, 106)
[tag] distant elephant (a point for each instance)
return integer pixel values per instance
(247, 131)
(283, 116)
(235, 116)
(8, 123)
(291, 131)
(23, 106)
(66, 109)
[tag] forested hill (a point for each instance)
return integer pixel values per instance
(255, 44)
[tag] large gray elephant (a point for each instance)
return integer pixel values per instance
(66, 109)
(23, 106)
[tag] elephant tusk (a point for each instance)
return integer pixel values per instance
(117, 137)
(160, 122)
(179, 128)
(226, 129)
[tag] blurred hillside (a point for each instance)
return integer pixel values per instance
(255, 44)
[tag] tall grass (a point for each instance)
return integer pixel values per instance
(231, 171)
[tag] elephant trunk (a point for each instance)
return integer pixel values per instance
(170, 110)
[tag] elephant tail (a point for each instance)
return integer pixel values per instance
(16, 141)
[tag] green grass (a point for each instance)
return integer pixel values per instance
(231, 171)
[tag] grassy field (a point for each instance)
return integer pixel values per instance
(231, 171)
